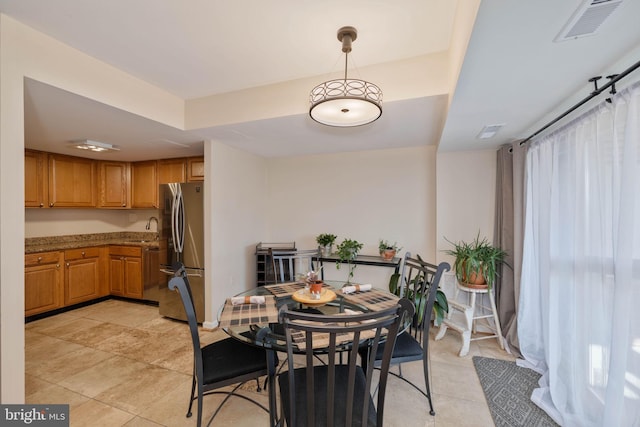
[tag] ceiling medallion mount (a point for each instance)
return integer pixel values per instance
(346, 102)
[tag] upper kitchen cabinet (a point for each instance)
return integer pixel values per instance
(195, 169)
(72, 181)
(114, 184)
(144, 184)
(35, 179)
(172, 170)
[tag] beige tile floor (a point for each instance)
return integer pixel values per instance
(118, 363)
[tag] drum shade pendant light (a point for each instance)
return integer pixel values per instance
(346, 102)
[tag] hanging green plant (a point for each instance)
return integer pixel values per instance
(347, 251)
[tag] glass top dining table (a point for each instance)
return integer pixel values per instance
(257, 324)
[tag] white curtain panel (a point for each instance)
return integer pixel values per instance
(579, 316)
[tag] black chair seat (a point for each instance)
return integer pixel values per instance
(407, 349)
(218, 366)
(341, 398)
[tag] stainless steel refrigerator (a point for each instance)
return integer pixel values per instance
(182, 224)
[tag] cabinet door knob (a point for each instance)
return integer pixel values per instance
(50, 205)
(57, 265)
(83, 253)
(68, 264)
(41, 205)
(124, 205)
(39, 259)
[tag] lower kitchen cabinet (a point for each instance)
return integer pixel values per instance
(43, 282)
(84, 275)
(125, 271)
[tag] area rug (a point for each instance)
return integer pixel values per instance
(507, 388)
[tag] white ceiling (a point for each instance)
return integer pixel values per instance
(512, 73)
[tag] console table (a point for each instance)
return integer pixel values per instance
(374, 260)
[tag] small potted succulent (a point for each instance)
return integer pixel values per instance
(347, 251)
(388, 250)
(325, 241)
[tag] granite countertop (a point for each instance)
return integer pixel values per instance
(57, 243)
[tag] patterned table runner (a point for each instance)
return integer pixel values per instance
(374, 299)
(287, 289)
(249, 314)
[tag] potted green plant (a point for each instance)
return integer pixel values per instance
(347, 251)
(477, 262)
(440, 305)
(388, 250)
(325, 241)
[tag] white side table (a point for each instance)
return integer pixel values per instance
(466, 324)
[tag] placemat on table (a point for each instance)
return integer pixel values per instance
(374, 299)
(249, 314)
(287, 289)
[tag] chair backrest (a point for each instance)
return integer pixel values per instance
(180, 282)
(287, 264)
(419, 283)
(332, 334)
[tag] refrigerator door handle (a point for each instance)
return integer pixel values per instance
(177, 219)
(180, 219)
(173, 217)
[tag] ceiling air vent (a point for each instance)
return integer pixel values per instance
(489, 131)
(587, 19)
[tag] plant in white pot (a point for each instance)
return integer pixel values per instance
(325, 241)
(347, 251)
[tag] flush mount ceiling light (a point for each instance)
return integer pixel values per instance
(87, 144)
(346, 102)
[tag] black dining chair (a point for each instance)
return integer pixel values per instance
(218, 364)
(336, 394)
(419, 283)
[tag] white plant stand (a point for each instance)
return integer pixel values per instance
(462, 317)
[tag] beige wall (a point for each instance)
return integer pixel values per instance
(237, 201)
(366, 196)
(466, 196)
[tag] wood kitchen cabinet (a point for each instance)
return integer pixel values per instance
(72, 181)
(84, 275)
(114, 184)
(144, 184)
(195, 169)
(125, 271)
(43, 282)
(36, 189)
(172, 170)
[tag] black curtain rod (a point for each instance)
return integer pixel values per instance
(593, 94)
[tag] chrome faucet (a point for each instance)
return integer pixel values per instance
(148, 227)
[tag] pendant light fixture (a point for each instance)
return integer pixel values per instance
(346, 102)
